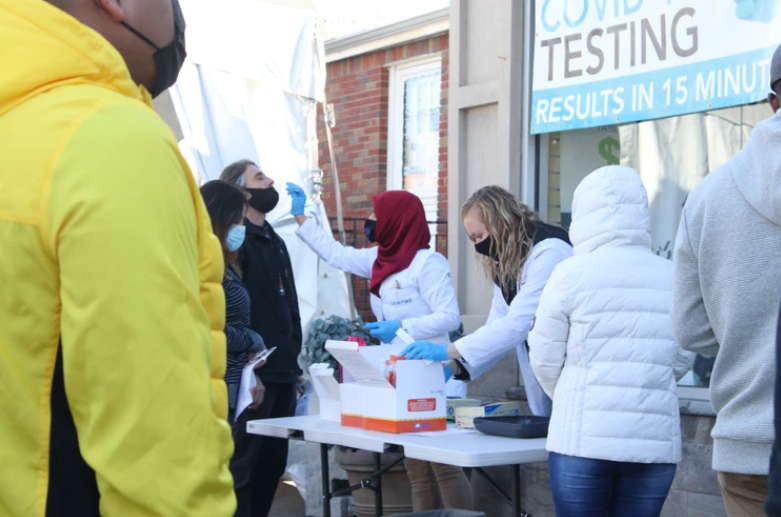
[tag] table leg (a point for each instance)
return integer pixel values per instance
(325, 480)
(517, 512)
(378, 485)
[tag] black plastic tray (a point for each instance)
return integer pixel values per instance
(514, 426)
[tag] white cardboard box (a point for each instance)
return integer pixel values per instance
(416, 404)
(465, 416)
(455, 403)
(327, 392)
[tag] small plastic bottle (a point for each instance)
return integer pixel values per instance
(390, 371)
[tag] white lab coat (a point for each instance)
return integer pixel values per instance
(421, 297)
(508, 325)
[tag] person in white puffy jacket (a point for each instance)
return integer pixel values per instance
(602, 346)
(412, 289)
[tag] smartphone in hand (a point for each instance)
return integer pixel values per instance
(263, 355)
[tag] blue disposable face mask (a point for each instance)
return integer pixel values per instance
(236, 237)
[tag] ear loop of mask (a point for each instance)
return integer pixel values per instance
(147, 40)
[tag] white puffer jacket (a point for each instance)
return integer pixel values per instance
(602, 345)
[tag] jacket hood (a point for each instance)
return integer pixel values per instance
(44, 47)
(757, 169)
(610, 208)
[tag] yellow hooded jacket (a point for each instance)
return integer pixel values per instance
(105, 248)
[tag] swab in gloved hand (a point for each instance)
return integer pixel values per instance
(426, 350)
(404, 336)
(298, 197)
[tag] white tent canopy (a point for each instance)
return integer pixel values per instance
(249, 90)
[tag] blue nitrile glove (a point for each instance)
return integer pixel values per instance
(448, 372)
(385, 331)
(425, 350)
(299, 198)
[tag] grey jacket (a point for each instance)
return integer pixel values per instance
(727, 291)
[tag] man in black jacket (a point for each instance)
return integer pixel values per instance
(268, 275)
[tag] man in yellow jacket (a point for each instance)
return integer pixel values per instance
(112, 350)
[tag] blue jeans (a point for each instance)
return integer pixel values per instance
(598, 488)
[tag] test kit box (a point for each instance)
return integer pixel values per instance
(455, 403)
(416, 403)
(465, 416)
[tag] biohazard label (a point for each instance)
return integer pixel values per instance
(420, 405)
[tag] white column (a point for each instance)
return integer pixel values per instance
(485, 127)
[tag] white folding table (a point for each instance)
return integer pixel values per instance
(463, 450)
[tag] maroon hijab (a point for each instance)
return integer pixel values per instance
(401, 232)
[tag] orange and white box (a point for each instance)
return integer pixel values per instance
(417, 402)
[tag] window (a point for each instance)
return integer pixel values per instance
(672, 156)
(413, 130)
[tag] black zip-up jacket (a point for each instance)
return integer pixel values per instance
(268, 275)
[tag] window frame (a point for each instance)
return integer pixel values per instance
(685, 393)
(400, 72)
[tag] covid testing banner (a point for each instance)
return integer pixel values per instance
(603, 62)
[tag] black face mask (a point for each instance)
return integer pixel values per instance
(369, 228)
(169, 59)
(486, 248)
(264, 200)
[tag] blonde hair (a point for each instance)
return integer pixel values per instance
(507, 221)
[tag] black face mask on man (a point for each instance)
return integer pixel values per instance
(486, 248)
(264, 200)
(170, 58)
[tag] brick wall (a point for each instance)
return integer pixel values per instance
(358, 88)
(442, 230)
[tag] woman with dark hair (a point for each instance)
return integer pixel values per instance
(226, 204)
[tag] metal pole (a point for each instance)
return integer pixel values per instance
(517, 491)
(325, 479)
(338, 192)
(378, 485)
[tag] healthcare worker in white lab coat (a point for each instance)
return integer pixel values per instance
(412, 289)
(519, 252)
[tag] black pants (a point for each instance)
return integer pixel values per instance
(259, 462)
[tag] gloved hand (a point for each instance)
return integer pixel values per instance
(425, 350)
(385, 331)
(448, 372)
(299, 198)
